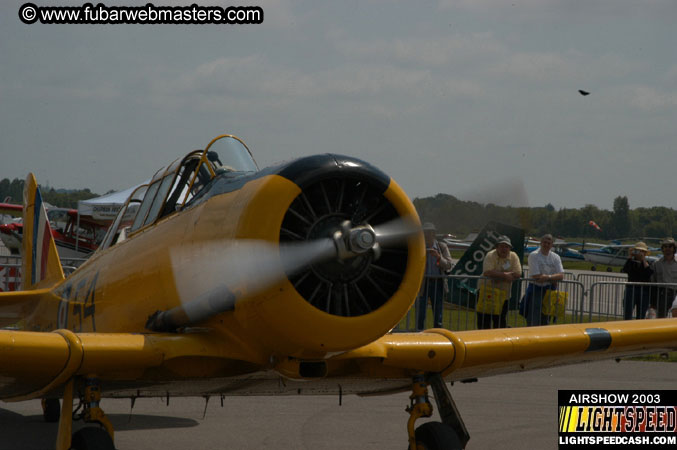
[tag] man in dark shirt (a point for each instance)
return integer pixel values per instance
(639, 271)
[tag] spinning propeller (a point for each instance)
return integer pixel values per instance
(211, 277)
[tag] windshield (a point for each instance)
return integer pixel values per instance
(229, 154)
(118, 229)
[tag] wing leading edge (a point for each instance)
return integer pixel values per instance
(37, 364)
(479, 353)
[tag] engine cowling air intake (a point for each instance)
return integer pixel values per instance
(347, 209)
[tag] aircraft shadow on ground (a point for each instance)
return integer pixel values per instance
(122, 422)
(31, 432)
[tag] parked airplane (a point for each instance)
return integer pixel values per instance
(562, 248)
(75, 237)
(10, 226)
(611, 255)
(229, 280)
(454, 243)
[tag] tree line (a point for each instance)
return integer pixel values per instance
(12, 192)
(459, 217)
(451, 215)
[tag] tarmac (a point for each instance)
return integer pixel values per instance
(515, 411)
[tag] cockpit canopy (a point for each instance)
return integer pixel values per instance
(172, 188)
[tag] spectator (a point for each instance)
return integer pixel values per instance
(665, 271)
(438, 261)
(545, 269)
(502, 267)
(639, 271)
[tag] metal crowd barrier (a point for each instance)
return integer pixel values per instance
(609, 300)
(16, 259)
(568, 276)
(588, 279)
(10, 271)
(589, 298)
(460, 299)
(10, 277)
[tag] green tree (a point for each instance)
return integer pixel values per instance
(4, 189)
(620, 218)
(656, 229)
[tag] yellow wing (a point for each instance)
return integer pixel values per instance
(33, 364)
(479, 353)
(514, 349)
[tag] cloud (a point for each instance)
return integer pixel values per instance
(671, 74)
(429, 51)
(649, 98)
(254, 81)
(563, 9)
(481, 59)
(504, 192)
(534, 66)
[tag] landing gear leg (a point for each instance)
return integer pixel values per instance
(88, 438)
(451, 433)
(419, 407)
(94, 438)
(448, 410)
(63, 438)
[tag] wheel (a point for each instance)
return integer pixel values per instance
(437, 436)
(51, 410)
(92, 438)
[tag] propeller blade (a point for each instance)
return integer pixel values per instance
(210, 277)
(396, 231)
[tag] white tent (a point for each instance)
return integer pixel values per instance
(107, 206)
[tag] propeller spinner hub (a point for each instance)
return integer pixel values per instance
(361, 239)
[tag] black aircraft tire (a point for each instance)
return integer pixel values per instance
(92, 438)
(437, 436)
(51, 410)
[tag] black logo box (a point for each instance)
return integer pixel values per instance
(617, 398)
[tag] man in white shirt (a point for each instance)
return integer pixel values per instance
(545, 269)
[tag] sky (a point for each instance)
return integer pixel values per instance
(473, 98)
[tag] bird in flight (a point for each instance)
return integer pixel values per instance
(583, 93)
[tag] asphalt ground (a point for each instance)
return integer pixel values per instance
(510, 411)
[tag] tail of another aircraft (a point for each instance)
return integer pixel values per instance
(41, 263)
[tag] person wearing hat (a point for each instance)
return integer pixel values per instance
(438, 261)
(501, 267)
(665, 271)
(637, 297)
(545, 269)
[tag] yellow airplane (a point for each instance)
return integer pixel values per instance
(217, 278)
